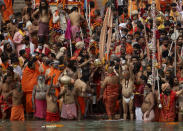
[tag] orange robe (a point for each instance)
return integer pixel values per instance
(132, 5)
(8, 11)
(29, 80)
(55, 80)
(17, 113)
(110, 96)
(167, 112)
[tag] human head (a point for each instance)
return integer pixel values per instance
(74, 9)
(7, 47)
(41, 79)
(23, 53)
(43, 5)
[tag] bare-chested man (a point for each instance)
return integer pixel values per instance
(17, 110)
(5, 100)
(148, 104)
(44, 20)
(127, 83)
(69, 110)
(52, 111)
(39, 98)
(110, 92)
(75, 19)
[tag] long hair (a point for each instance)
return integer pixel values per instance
(40, 6)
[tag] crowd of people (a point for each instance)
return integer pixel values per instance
(69, 64)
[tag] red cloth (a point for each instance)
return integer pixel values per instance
(138, 99)
(167, 113)
(110, 96)
(81, 102)
(5, 104)
(52, 116)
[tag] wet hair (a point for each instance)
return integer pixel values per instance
(74, 9)
(92, 4)
(21, 52)
(40, 6)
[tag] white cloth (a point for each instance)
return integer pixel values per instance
(127, 100)
(31, 48)
(18, 71)
(138, 113)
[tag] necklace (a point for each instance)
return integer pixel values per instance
(126, 84)
(166, 102)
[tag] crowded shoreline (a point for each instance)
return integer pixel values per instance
(74, 60)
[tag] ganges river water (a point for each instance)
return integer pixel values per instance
(101, 125)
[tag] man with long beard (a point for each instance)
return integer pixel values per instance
(168, 101)
(110, 92)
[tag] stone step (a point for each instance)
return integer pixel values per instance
(18, 5)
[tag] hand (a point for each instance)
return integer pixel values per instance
(148, 113)
(100, 97)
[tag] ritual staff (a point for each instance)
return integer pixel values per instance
(110, 92)
(168, 101)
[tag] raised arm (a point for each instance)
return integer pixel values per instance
(104, 84)
(178, 93)
(33, 97)
(49, 88)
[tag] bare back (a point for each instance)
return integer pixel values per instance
(75, 18)
(17, 97)
(51, 101)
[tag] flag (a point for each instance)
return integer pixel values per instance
(68, 31)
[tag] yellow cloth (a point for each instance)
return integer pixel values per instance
(157, 4)
(132, 5)
(175, 15)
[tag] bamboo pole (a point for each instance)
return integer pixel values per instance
(154, 42)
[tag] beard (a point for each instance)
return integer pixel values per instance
(9, 49)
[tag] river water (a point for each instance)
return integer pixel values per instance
(102, 125)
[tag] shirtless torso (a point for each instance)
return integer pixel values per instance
(147, 102)
(75, 18)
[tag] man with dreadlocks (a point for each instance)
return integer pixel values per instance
(44, 20)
